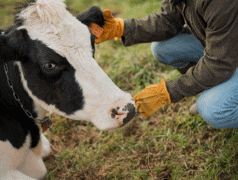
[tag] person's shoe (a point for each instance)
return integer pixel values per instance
(183, 70)
(193, 109)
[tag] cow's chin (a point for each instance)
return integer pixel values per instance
(101, 123)
(105, 124)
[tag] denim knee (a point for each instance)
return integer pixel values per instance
(156, 51)
(178, 51)
(166, 55)
(217, 112)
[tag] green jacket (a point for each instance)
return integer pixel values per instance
(213, 22)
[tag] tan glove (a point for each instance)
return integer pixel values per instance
(113, 27)
(152, 98)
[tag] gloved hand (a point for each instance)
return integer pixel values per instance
(152, 98)
(113, 27)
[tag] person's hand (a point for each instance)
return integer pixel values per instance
(113, 27)
(152, 98)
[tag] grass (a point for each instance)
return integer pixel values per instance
(171, 144)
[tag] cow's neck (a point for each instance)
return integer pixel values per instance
(14, 88)
(22, 97)
(13, 118)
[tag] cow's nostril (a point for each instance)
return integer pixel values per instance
(115, 112)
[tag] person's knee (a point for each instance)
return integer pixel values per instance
(157, 51)
(216, 114)
(205, 112)
(166, 54)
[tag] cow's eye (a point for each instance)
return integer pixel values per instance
(49, 66)
(51, 69)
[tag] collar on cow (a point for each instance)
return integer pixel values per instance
(45, 123)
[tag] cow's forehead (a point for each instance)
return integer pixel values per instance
(49, 22)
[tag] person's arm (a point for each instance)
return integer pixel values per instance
(157, 27)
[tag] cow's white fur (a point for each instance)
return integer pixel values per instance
(23, 164)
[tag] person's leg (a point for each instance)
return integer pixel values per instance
(178, 51)
(218, 106)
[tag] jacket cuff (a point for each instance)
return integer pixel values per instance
(173, 90)
(126, 37)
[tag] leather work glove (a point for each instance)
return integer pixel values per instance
(152, 98)
(113, 27)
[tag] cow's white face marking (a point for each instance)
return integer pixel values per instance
(82, 90)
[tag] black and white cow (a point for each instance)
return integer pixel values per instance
(48, 57)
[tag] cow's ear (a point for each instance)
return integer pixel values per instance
(19, 42)
(93, 15)
(6, 52)
(14, 44)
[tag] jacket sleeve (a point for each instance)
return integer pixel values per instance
(220, 56)
(157, 27)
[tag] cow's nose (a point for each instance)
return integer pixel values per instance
(124, 114)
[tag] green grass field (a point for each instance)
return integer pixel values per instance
(171, 144)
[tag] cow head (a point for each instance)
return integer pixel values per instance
(53, 51)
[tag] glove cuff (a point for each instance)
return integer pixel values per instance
(164, 90)
(120, 28)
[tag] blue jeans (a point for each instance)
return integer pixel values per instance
(218, 106)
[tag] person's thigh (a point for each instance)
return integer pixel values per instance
(178, 51)
(219, 105)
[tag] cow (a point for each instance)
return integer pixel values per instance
(47, 65)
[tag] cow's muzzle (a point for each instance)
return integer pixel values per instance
(124, 114)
